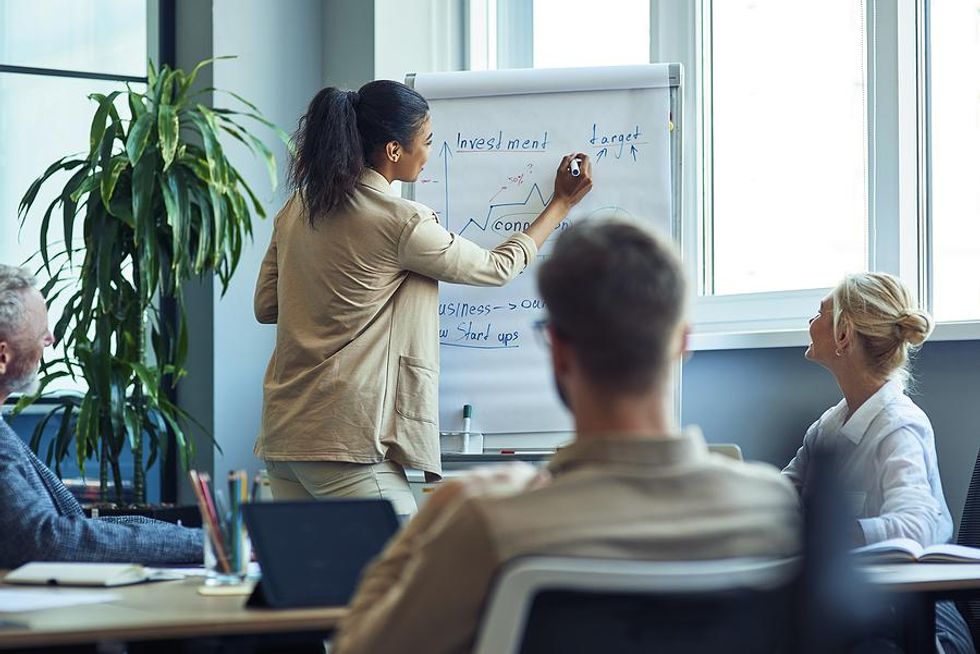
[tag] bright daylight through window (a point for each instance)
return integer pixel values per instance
(45, 112)
(590, 33)
(955, 137)
(786, 203)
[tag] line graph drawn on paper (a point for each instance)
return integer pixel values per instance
(494, 220)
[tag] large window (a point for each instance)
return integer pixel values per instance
(837, 177)
(557, 33)
(590, 33)
(787, 168)
(53, 54)
(954, 127)
(821, 138)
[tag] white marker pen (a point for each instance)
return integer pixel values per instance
(467, 419)
(574, 167)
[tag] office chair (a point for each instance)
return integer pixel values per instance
(969, 535)
(568, 605)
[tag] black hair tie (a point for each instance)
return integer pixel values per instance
(354, 97)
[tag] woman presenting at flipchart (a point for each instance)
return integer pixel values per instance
(351, 281)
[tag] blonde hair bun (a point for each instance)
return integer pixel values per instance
(879, 308)
(914, 327)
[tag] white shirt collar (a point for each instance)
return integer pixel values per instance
(855, 428)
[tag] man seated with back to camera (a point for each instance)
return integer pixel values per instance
(631, 485)
(40, 520)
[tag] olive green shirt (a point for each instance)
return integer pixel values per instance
(656, 499)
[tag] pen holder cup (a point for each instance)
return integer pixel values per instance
(233, 569)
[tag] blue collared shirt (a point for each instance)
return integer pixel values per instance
(888, 455)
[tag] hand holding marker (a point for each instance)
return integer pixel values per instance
(574, 168)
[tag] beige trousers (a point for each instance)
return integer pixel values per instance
(304, 480)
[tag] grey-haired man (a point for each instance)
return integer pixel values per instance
(40, 520)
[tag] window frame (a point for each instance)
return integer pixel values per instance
(899, 208)
(899, 218)
(159, 26)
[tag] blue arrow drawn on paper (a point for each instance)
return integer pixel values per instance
(633, 151)
(603, 152)
(446, 153)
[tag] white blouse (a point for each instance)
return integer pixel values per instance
(888, 456)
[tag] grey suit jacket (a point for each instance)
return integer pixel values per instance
(40, 520)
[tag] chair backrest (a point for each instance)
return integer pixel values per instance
(731, 450)
(558, 604)
(969, 535)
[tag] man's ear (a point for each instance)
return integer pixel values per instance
(683, 342)
(561, 353)
(4, 357)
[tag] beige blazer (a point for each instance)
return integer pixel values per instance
(355, 371)
(663, 499)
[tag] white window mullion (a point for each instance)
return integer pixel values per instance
(481, 47)
(515, 33)
(894, 127)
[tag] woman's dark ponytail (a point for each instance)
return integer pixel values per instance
(329, 156)
(340, 132)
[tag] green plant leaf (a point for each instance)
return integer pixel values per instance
(69, 203)
(258, 147)
(64, 437)
(136, 104)
(45, 221)
(97, 131)
(139, 136)
(169, 127)
(85, 444)
(259, 209)
(88, 184)
(144, 174)
(148, 378)
(28, 200)
(110, 178)
(157, 202)
(38, 433)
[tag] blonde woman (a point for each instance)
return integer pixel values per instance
(863, 334)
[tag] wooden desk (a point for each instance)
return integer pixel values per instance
(922, 585)
(944, 579)
(165, 610)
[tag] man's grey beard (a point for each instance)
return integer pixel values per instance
(29, 384)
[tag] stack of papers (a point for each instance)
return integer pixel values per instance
(16, 599)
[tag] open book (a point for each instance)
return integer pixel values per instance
(905, 550)
(86, 574)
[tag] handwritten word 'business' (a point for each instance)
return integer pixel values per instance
(497, 142)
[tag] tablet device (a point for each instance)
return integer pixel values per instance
(312, 553)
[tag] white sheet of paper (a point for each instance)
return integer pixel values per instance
(15, 599)
(498, 137)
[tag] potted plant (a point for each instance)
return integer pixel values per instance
(156, 203)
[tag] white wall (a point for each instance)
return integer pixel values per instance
(279, 68)
(286, 51)
(416, 36)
